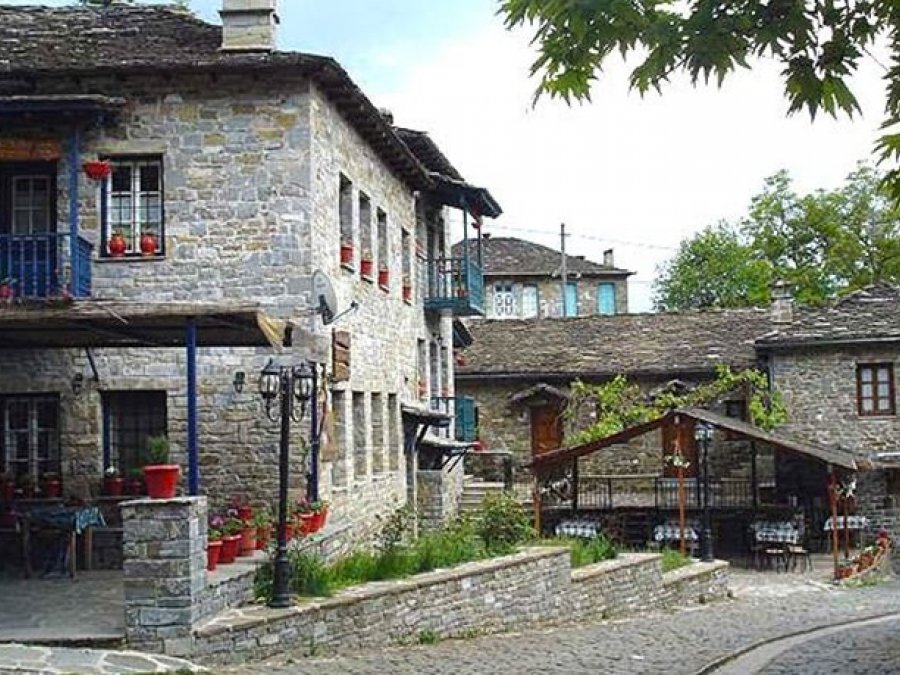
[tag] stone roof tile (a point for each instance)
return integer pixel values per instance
(510, 256)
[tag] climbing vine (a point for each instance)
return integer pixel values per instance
(619, 404)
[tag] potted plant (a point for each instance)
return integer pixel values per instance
(117, 244)
(51, 485)
(160, 477)
(231, 539)
(113, 484)
(262, 520)
(149, 244)
(365, 265)
(213, 548)
(8, 487)
(320, 514)
(248, 538)
(242, 510)
(135, 484)
(97, 170)
(6, 288)
(25, 485)
(304, 516)
(384, 277)
(407, 289)
(346, 252)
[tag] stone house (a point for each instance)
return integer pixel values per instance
(523, 281)
(228, 172)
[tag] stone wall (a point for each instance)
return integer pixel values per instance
(550, 294)
(438, 496)
(534, 587)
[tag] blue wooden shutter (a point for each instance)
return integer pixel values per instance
(571, 301)
(606, 299)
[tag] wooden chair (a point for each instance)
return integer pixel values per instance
(775, 557)
(797, 552)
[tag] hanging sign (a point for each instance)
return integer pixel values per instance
(29, 150)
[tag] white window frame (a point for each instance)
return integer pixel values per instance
(30, 207)
(136, 226)
(504, 301)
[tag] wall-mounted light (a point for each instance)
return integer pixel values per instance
(77, 383)
(239, 378)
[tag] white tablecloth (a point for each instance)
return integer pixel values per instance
(853, 523)
(578, 528)
(672, 532)
(776, 531)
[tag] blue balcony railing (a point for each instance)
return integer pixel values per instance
(41, 266)
(456, 284)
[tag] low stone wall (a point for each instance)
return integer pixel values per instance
(535, 586)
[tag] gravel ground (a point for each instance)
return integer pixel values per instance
(765, 607)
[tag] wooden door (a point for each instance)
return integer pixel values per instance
(546, 429)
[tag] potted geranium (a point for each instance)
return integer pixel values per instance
(407, 289)
(97, 170)
(113, 484)
(262, 520)
(384, 277)
(117, 244)
(231, 539)
(160, 477)
(304, 516)
(320, 514)
(149, 244)
(365, 265)
(346, 253)
(213, 544)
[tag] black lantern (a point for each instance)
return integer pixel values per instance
(238, 383)
(269, 383)
(703, 434)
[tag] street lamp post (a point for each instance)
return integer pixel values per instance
(703, 435)
(290, 384)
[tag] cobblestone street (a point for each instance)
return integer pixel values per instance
(765, 607)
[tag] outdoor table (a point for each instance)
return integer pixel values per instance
(672, 532)
(73, 520)
(776, 532)
(578, 528)
(853, 523)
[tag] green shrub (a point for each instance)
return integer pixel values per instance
(672, 560)
(455, 544)
(502, 524)
(590, 551)
(309, 575)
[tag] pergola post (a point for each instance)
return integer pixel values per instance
(192, 450)
(74, 169)
(754, 482)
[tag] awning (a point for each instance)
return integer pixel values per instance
(555, 458)
(454, 192)
(101, 323)
(428, 416)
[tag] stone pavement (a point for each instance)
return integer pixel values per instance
(49, 661)
(766, 606)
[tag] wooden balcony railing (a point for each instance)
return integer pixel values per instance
(456, 284)
(41, 266)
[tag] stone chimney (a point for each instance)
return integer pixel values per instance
(608, 260)
(782, 302)
(248, 25)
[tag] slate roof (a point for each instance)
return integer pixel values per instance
(77, 41)
(871, 314)
(510, 256)
(603, 346)
(428, 152)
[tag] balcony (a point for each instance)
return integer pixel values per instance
(463, 410)
(36, 267)
(456, 284)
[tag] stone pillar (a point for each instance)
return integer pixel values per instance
(164, 551)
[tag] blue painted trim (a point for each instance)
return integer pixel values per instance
(193, 456)
(74, 168)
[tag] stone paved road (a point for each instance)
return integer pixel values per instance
(673, 643)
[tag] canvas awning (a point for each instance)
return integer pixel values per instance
(555, 458)
(100, 323)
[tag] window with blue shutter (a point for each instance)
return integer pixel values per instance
(571, 302)
(606, 299)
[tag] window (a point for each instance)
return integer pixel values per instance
(606, 299)
(875, 389)
(30, 204)
(339, 466)
(345, 209)
(570, 305)
(30, 438)
(504, 301)
(434, 369)
(365, 233)
(133, 206)
(406, 264)
(360, 446)
(129, 419)
(378, 447)
(384, 262)
(421, 366)
(529, 302)
(395, 449)
(445, 371)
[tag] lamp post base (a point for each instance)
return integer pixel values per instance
(281, 584)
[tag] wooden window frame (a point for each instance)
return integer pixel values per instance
(138, 227)
(892, 393)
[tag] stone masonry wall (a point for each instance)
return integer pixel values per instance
(550, 294)
(535, 586)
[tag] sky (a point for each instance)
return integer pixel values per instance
(624, 172)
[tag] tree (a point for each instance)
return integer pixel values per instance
(715, 268)
(820, 45)
(825, 243)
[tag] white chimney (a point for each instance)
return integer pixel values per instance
(608, 258)
(782, 302)
(248, 25)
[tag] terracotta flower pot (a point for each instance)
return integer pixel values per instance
(5, 292)
(230, 546)
(346, 254)
(213, 552)
(319, 518)
(248, 541)
(113, 486)
(307, 522)
(384, 278)
(288, 531)
(263, 535)
(148, 244)
(161, 480)
(52, 489)
(365, 267)
(97, 170)
(116, 246)
(407, 293)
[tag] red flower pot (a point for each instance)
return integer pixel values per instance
(319, 518)
(6, 291)
(346, 254)
(365, 267)
(230, 546)
(384, 278)
(9, 491)
(213, 552)
(52, 489)
(97, 170)
(148, 244)
(113, 486)
(245, 513)
(263, 534)
(116, 246)
(135, 487)
(248, 541)
(161, 480)
(407, 293)
(307, 522)
(288, 531)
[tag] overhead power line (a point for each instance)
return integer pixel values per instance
(620, 242)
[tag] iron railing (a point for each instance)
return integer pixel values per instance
(41, 266)
(456, 284)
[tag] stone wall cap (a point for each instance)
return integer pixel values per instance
(696, 569)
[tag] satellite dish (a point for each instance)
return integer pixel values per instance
(324, 296)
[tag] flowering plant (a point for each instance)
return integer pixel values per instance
(111, 471)
(303, 505)
(678, 460)
(319, 506)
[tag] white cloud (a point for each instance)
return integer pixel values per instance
(649, 170)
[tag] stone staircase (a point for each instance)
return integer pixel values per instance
(474, 492)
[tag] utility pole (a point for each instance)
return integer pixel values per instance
(563, 272)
